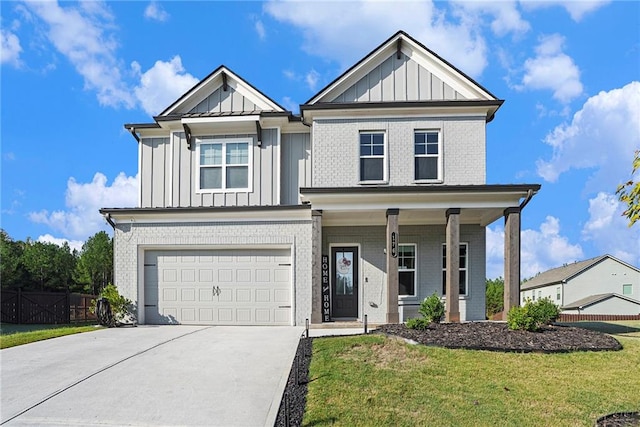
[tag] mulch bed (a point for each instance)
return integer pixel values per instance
(493, 336)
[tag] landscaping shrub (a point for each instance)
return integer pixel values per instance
(532, 315)
(432, 311)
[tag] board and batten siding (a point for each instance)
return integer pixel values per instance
(168, 171)
(221, 101)
(296, 166)
(398, 80)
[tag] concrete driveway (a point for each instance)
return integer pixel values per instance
(150, 375)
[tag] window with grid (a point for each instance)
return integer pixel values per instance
(407, 270)
(463, 269)
(372, 157)
(427, 155)
(223, 165)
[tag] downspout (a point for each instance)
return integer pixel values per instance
(527, 199)
(107, 217)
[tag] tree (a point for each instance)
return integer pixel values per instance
(11, 270)
(494, 296)
(629, 193)
(39, 260)
(95, 265)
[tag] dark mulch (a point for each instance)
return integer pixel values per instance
(496, 336)
(619, 419)
(294, 399)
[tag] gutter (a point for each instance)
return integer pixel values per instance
(107, 217)
(527, 199)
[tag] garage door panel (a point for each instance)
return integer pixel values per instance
(218, 287)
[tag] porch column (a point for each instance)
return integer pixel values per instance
(452, 313)
(316, 267)
(393, 238)
(511, 259)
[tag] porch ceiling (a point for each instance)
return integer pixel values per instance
(408, 217)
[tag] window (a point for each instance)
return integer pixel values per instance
(223, 165)
(533, 295)
(627, 289)
(463, 269)
(427, 155)
(372, 160)
(407, 270)
(539, 294)
(558, 293)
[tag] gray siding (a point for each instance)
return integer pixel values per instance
(296, 166)
(168, 171)
(429, 240)
(605, 277)
(463, 150)
(221, 101)
(398, 80)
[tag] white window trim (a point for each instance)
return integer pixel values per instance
(385, 166)
(466, 269)
(414, 269)
(439, 179)
(224, 142)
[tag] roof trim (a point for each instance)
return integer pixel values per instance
(401, 104)
(200, 209)
(486, 188)
(129, 126)
(595, 299)
(211, 76)
(398, 35)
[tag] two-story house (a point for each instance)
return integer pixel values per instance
(371, 199)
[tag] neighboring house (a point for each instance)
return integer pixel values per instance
(602, 285)
(371, 199)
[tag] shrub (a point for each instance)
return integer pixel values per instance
(532, 315)
(431, 309)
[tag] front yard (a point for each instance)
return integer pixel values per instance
(12, 335)
(376, 380)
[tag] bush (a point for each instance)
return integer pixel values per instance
(119, 306)
(431, 309)
(532, 315)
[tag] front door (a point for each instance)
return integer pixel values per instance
(344, 289)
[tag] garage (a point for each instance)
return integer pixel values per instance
(217, 287)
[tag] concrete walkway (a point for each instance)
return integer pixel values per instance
(162, 375)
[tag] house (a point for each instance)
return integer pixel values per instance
(371, 199)
(602, 285)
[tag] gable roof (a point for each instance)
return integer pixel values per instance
(567, 272)
(403, 45)
(594, 299)
(225, 80)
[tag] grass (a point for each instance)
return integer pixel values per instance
(373, 380)
(13, 335)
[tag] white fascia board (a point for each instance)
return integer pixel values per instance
(222, 216)
(153, 133)
(221, 119)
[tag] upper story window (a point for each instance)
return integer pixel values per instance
(372, 157)
(427, 151)
(627, 289)
(464, 256)
(223, 165)
(407, 270)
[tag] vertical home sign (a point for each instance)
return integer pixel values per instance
(394, 244)
(326, 290)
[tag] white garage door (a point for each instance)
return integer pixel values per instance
(218, 287)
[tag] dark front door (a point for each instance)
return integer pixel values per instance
(344, 289)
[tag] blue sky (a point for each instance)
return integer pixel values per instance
(73, 73)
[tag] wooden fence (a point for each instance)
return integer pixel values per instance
(45, 307)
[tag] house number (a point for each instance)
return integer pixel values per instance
(394, 245)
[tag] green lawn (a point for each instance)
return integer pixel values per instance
(13, 335)
(373, 380)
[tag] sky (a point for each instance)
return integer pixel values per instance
(72, 73)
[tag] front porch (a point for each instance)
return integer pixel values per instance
(387, 237)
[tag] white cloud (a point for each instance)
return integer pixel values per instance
(10, 48)
(162, 84)
(83, 200)
(345, 31)
(505, 15)
(577, 9)
(73, 244)
(602, 135)
(541, 249)
(608, 229)
(552, 69)
(260, 29)
(290, 104)
(155, 12)
(84, 36)
(312, 79)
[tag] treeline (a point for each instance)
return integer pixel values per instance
(43, 266)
